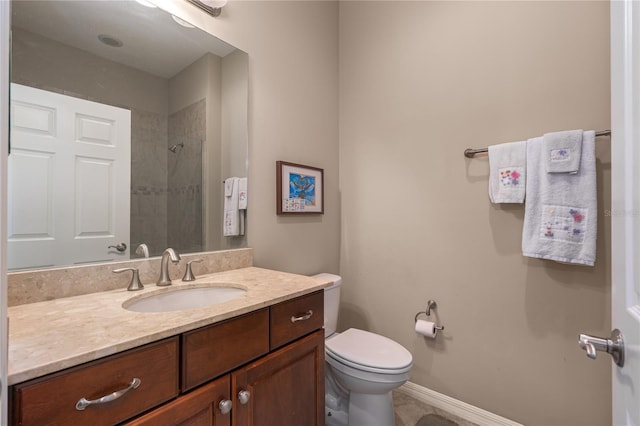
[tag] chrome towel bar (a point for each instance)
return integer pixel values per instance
(471, 152)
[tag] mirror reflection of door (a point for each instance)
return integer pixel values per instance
(69, 177)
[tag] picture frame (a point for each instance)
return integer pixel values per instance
(299, 189)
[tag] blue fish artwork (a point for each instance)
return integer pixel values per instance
(304, 187)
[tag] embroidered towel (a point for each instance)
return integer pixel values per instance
(562, 151)
(560, 219)
(507, 167)
(231, 220)
(242, 193)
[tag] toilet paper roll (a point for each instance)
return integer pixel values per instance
(426, 328)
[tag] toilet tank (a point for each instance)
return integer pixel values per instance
(331, 302)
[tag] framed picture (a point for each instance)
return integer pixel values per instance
(299, 189)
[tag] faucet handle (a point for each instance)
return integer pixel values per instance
(188, 274)
(135, 283)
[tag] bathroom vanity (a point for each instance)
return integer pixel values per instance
(257, 359)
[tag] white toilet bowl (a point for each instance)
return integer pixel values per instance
(362, 369)
(366, 367)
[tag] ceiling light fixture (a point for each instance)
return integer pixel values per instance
(110, 40)
(212, 7)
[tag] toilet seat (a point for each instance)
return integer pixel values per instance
(370, 352)
(337, 359)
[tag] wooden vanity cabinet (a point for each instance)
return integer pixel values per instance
(269, 364)
(286, 387)
(52, 399)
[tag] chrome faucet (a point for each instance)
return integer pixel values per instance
(169, 253)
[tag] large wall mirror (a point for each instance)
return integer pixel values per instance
(125, 123)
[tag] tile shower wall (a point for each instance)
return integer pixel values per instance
(149, 181)
(184, 178)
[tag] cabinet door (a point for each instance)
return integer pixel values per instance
(285, 388)
(200, 407)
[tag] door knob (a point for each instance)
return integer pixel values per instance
(120, 247)
(614, 346)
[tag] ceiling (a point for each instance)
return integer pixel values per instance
(152, 41)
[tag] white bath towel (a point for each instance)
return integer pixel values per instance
(507, 172)
(562, 151)
(231, 222)
(560, 220)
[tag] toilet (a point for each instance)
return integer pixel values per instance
(361, 369)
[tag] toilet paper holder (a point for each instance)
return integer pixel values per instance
(431, 304)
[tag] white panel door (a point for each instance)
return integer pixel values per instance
(69, 180)
(4, 145)
(625, 168)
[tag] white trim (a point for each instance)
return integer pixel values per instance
(453, 406)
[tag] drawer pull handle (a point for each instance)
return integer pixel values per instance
(84, 403)
(302, 317)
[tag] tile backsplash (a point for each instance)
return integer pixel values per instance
(33, 286)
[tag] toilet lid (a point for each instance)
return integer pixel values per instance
(369, 350)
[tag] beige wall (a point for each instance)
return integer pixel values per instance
(293, 98)
(235, 137)
(50, 64)
(419, 83)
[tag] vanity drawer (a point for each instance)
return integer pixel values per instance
(295, 318)
(219, 348)
(52, 399)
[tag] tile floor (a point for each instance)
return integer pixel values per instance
(412, 412)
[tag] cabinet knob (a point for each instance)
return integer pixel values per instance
(225, 406)
(244, 396)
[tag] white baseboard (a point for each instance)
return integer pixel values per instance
(457, 408)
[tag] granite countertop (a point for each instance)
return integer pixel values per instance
(46, 337)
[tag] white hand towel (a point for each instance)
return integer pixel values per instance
(562, 151)
(228, 187)
(507, 172)
(231, 221)
(560, 219)
(242, 193)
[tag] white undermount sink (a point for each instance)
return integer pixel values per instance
(184, 298)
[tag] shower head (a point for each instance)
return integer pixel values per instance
(174, 148)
